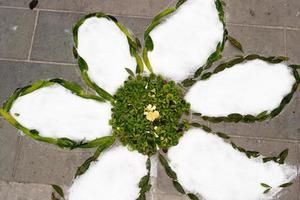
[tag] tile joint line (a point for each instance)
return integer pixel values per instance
(33, 34)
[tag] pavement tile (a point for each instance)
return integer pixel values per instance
(166, 196)
(16, 74)
(292, 13)
(45, 163)
(53, 38)
(16, 27)
(4, 188)
(263, 41)
(137, 8)
(164, 183)
(9, 142)
(146, 8)
(25, 191)
(292, 45)
(291, 117)
(257, 12)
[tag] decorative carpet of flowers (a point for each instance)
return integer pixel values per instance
(142, 95)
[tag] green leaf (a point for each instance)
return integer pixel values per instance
(295, 66)
(252, 57)
(192, 196)
(197, 114)
(206, 128)
(53, 197)
(286, 185)
(82, 64)
(142, 197)
(198, 72)
(265, 185)
(267, 159)
(144, 181)
(235, 117)
(188, 82)
(149, 43)
(196, 125)
(146, 59)
(296, 75)
(282, 156)
(249, 119)
(254, 154)
(34, 132)
(179, 3)
(220, 68)
(59, 190)
(66, 142)
(178, 187)
(112, 18)
(168, 169)
(33, 4)
(267, 190)
(75, 53)
(222, 135)
(262, 114)
(145, 189)
(235, 43)
(206, 76)
(130, 72)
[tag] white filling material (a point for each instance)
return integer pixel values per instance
(208, 166)
(248, 88)
(55, 112)
(186, 39)
(115, 176)
(106, 50)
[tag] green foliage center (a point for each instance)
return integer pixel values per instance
(131, 123)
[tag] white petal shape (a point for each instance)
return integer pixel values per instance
(208, 166)
(105, 49)
(247, 88)
(186, 39)
(55, 112)
(115, 176)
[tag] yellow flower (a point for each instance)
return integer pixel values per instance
(151, 113)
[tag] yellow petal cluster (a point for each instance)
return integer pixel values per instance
(151, 113)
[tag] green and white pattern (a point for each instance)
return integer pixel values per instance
(181, 46)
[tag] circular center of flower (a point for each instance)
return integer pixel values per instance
(147, 112)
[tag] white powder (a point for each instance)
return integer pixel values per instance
(55, 112)
(115, 176)
(105, 49)
(247, 88)
(208, 166)
(186, 39)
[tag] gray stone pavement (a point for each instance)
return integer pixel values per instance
(36, 44)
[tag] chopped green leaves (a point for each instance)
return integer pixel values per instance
(131, 125)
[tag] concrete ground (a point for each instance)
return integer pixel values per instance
(37, 44)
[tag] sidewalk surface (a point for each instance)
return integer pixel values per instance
(37, 44)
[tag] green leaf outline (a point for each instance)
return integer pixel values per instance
(133, 48)
(216, 55)
(265, 114)
(172, 175)
(102, 144)
(144, 183)
(34, 134)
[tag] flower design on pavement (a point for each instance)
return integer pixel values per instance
(139, 101)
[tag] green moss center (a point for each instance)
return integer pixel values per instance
(146, 114)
